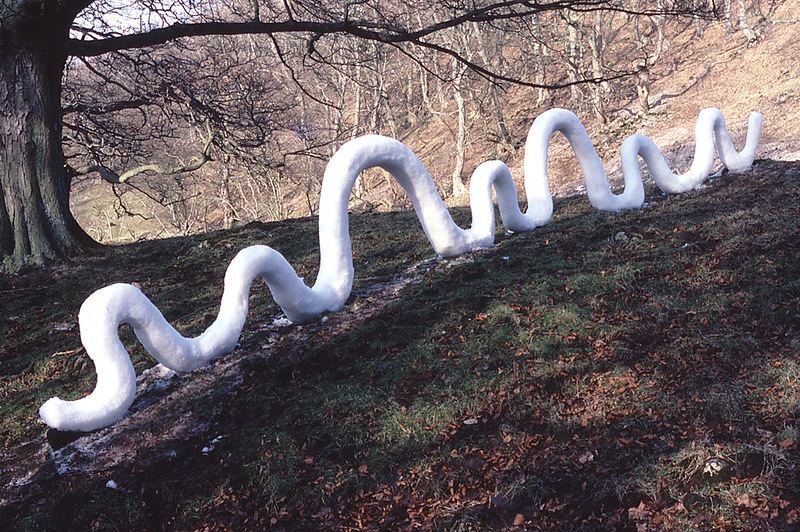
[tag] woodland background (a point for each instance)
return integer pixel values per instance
(259, 116)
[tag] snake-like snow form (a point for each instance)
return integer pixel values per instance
(103, 311)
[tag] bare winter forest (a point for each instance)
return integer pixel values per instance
(216, 131)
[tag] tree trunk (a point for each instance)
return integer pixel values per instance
(411, 112)
(36, 225)
(643, 89)
(539, 53)
(744, 25)
(574, 56)
(660, 22)
(357, 111)
(503, 133)
(727, 16)
(699, 23)
(597, 46)
(228, 210)
(459, 188)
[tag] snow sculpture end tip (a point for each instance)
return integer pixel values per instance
(714, 111)
(51, 413)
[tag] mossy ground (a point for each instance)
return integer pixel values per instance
(587, 375)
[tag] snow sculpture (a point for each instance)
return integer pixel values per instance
(103, 311)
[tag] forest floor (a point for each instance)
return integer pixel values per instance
(607, 371)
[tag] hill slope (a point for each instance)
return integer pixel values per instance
(720, 70)
(605, 371)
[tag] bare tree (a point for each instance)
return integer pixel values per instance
(744, 23)
(490, 48)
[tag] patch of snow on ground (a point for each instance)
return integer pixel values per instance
(210, 447)
(281, 322)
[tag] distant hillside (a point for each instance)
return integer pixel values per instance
(721, 69)
(610, 371)
(718, 70)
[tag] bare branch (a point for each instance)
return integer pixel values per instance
(105, 109)
(113, 177)
(385, 32)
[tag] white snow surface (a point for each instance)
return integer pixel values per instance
(107, 308)
(211, 446)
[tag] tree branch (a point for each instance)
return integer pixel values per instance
(109, 108)
(370, 30)
(113, 177)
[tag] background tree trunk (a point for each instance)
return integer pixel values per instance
(459, 187)
(744, 25)
(35, 221)
(503, 134)
(597, 46)
(574, 55)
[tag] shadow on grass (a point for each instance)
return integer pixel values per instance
(603, 371)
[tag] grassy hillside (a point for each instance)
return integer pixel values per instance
(606, 371)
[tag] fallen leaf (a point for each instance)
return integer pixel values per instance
(586, 457)
(746, 500)
(638, 512)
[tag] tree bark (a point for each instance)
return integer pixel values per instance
(574, 56)
(744, 25)
(36, 225)
(539, 54)
(459, 188)
(503, 134)
(597, 45)
(727, 16)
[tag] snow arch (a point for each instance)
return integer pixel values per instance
(107, 308)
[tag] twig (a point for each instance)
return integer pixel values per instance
(68, 352)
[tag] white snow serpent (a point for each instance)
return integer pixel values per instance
(107, 308)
